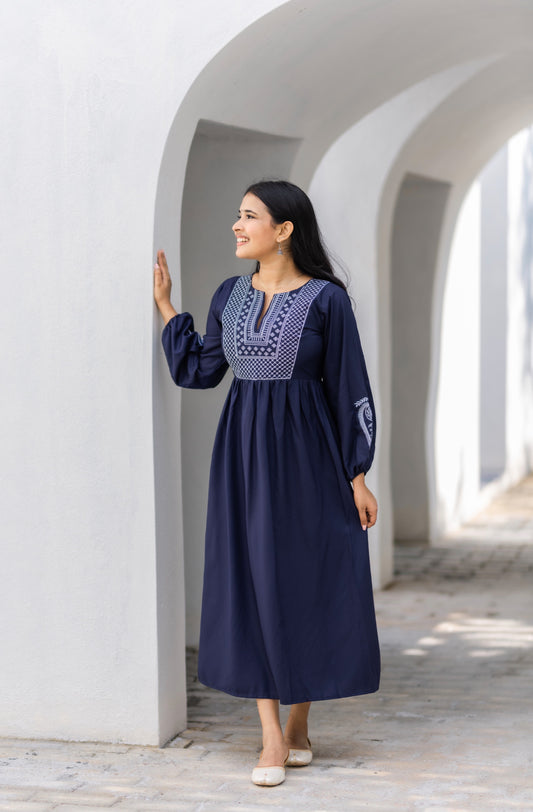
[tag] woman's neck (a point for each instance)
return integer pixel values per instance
(278, 273)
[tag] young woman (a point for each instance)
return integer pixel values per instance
(287, 607)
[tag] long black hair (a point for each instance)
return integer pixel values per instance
(286, 201)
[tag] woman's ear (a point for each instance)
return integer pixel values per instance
(286, 229)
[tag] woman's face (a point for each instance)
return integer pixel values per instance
(256, 234)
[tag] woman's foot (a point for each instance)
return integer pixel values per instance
(270, 769)
(300, 754)
(273, 754)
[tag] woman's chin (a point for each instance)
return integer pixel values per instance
(240, 254)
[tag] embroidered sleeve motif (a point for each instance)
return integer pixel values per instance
(366, 418)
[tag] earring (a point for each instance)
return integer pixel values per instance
(280, 252)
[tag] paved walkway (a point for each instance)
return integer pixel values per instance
(450, 729)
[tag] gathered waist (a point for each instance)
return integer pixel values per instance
(278, 381)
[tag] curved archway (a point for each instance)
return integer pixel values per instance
(497, 117)
(434, 154)
(303, 75)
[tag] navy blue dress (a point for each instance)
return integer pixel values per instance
(287, 605)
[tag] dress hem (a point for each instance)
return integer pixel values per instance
(243, 695)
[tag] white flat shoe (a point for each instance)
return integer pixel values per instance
(269, 776)
(300, 758)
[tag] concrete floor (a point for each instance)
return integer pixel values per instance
(450, 729)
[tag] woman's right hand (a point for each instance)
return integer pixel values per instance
(162, 280)
(162, 287)
(365, 502)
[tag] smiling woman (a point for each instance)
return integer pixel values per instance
(287, 606)
(256, 233)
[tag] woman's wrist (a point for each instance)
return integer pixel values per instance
(166, 310)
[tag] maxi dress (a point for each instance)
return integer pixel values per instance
(287, 604)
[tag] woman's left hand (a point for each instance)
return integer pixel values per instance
(365, 502)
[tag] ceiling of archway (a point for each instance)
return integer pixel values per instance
(312, 69)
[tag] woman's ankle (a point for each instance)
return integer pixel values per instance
(296, 732)
(273, 738)
(297, 724)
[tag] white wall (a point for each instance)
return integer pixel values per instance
(519, 405)
(419, 214)
(494, 325)
(78, 597)
(457, 412)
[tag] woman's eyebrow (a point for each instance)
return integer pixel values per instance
(247, 211)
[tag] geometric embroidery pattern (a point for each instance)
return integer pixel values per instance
(269, 352)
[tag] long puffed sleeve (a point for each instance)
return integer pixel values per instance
(346, 384)
(196, 362)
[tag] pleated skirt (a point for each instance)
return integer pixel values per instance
(287, 604)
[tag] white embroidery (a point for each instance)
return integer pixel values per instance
(268, 352)
(366, 418)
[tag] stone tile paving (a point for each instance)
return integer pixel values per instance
(450, 729)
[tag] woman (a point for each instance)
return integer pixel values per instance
(287, 606)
